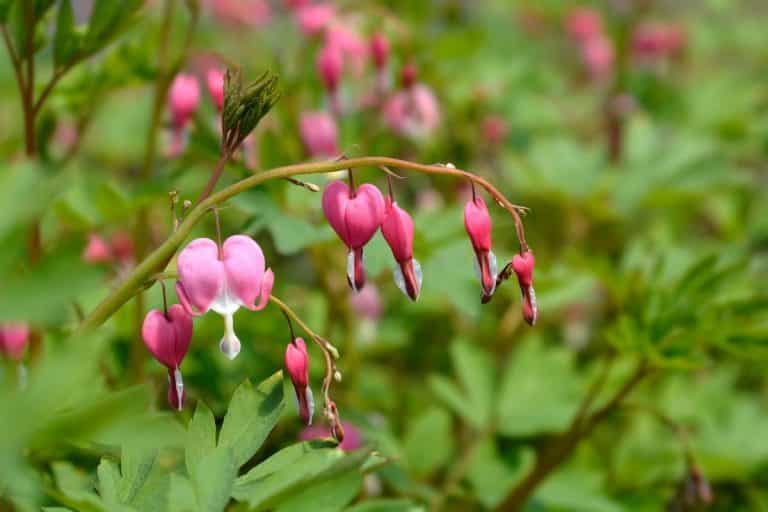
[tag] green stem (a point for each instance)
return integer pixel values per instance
(160, 257)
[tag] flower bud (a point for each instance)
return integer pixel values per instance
(97, 250)
(523, 267)
(319, 134)
(14, 338)
(477, 222)
(330, 64)
(183, 98)
(397, 228)
(297, 364)
(379, 50)
(214, 80)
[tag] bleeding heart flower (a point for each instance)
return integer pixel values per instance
(167, 337)
(97, 250)
(353, 439)
(583, 24)
(477, 222)
(355, 216)
(14, 338)
(214, 81)
(297, 364)
(523, 267)
(183, 99)
(397, 228)
(413, 112)
(223, 279)
(319, 134)
(330, 64)
(314, 18)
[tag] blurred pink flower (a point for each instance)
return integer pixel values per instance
(254, 13)
(652, 41)
(319, 134)
(413, 112)
(379, 50)
(97, 250)
(295, 4)
(14, 338)
(367, 303)
(353, 47)
(214, 81)
(314, 18)
(597, 54)
(493, 129)
(122, 246)
(183, 99)
(353, 439)
(583, 24)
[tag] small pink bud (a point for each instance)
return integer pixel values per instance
(183, 97)
(223, 280)
(583, 24)
(167, 337)
(319, 134)
(379, 50)
(494, 130)
(330, 64)
(97, 250)
(413, 112)
(297, 364)
(477, 222)
(355, 216)
(214, 80)
(523, 267)
(408, 75)
(397, 228)
(598, 56)
(122, 246)
(14, 338)
(367, 303)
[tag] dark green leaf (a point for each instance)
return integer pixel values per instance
(65, 40)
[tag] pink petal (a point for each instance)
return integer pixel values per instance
(397, 228)
(477, 222)
(267, 282)
(335, 200)
(244, 267)
(167, 338)
(364, 214)
(201, 275)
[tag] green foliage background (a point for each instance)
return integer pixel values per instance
(659, 258)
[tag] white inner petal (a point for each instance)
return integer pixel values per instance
(310, 404)
(397, 273)
(226, 302)
(351, 270)
(229, 345)
(179, 386)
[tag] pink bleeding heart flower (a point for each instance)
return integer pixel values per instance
(352, 46)
(355, 216)
(583, 24)
(214, 81)
(97, 250)
(379, 50)
(330, 64)
(183, 99)
(413, 112)
(523, 265)
(397, 228)
(477, 222)
(353, 438)
(167, 337)
(297, 364)
(223, 279)
(597, 55)
(14, 338)
(319, 134)
(314, 18)
(367, 303)
(122, 247)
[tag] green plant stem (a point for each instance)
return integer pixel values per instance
(160, 257)
(561, 448)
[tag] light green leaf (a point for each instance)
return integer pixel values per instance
(201, 436)
(384, 505)
(492, 476)
(251, 416)
(327, 496)
(213, 479)
(428, 443)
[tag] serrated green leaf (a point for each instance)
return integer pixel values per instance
(251, 416)
(477, 375)
(109, 480)
(213, 479)
(201, 436)
(492, 476)
(329, 495)
(428, 443)
(136, 465)
(384, 505)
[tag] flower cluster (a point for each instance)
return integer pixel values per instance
(585, 27)
(356, 213)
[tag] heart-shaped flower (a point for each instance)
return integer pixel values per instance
(14, 338)
(223, 280)
(397, 228)
(355, 216)
(477, 222)
(523, 265)
(167, 336)
(297, 364)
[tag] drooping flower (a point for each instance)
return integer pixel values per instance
(653, 42)
(380, 53)
(351, 45)
(330, 65)
(583, 24)
(355, 215)
(297, 364)
(123, 247)
(597, 55)
(523, 265)
(477, 222)
(353, 439)
(214, 81)
(223, 279)
(494, 130)
(14, 338)
(319, 134)
(183, 99)
(97, 250)
(397, 228)
(314, 18)
(167, 337)
(413, 111)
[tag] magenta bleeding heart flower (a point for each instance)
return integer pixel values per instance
(477, 222)
(319, 134)
(297, 364)
(523, 265)
(414, 111)
(353, 438)
(355, 215)
(97, 250)
(397, 228)
(214, 81)
(583, 24)
(330, 64)
(223, 279)
(167, 336)
(14, 338)
(314, 18)
(183, 99)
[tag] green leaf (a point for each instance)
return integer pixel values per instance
(65, 40)
(213, 479)
(577, 490)
(251, 416)
(327, 496)
(108, 19)
(201, 436)
(428, 443)
(384, 505)
(492, 476)
(136, 465)
(5, 7)
(109, 479)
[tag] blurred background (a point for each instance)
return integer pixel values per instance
(636, 131)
